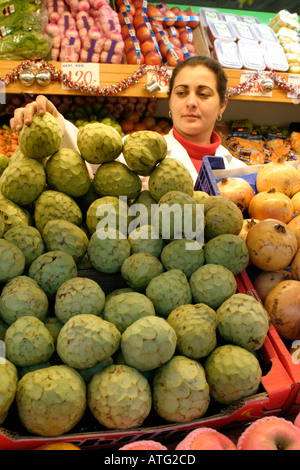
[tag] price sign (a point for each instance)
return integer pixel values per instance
(81, 73)
(256, 90)
(294, 79)
(162, 81)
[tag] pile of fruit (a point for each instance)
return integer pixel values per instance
(173, 339)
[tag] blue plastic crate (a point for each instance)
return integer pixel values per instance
(205, 179)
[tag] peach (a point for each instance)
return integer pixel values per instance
(206, 439)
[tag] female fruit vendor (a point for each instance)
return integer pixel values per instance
(197, 99)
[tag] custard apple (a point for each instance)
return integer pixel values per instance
(186, 255)
(12, 214)
(228, 250)
(138, 270)
(3, 328)
(99, 143)
(116, 179)
(67, 172)
(22, 182)
(2, 226)
(52, 205)
(51, 401)
(212, 284)
(28, 342)
(119, 397)
(51, 269)
(54, 326)
(12, 261)
(22, 296)
(4, 161)
(107, 252)
(8, 387)
(170, 175)
(221, 216)
(142, 150)
(125, 308)
(142, 206)
(180, 391)
(169, 290)
(146, 239)
(88, 373)
(87, 339)
(195, 327)
(233, 373)
(242, 320)
(59, 234)
(107, 212)
(41, 138)
(77, 296)
(28, 239)
(148, 343)
(199, 196)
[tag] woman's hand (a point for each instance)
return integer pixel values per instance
(40, 106)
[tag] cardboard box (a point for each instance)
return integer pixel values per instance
(275, 390)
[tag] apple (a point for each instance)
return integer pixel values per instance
(206, 439)
(297, 421)
(270, 433)
(144, 445)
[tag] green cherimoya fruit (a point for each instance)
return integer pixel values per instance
(2, 226)
(52, 205)
(99, 143)
(51, 269)
(195, 327)
(67, 172)
(51, 401)
(142, 150)
(212, 284)
(116, 179)
(221, 216)
(22, 182)
(4, 161)
(77, 296)
(138, 270)
(59, 234)
(108, 251)
(199, 196)
(243, 320)
(107, 212)
(170, 175)
(177, 215)
(186, 255)
(8, 387)
(88, 373)
(3, 328)
(28, 239)
(233, 373)
(148, 343)
(41, 138)
(125, 308)
(228, 250)
(180, 391)
(146, 239)
(87, 339)
(143, 206)
(169, 290)
(28, 342)
(54, 326)
(119, 397)
(22, 296)
(12, 261)
(12, 214)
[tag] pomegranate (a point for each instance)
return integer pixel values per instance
(294, 224)
(295, 267)
(266, 280)
(271, 204)
(237, 190)
(279, 175)
(247, 224)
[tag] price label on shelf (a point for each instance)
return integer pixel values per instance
(162, 81)
(294, 79)
(256, 90)
(81, 73)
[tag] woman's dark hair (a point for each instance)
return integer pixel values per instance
(208, 62)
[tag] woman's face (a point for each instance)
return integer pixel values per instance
(195, 103)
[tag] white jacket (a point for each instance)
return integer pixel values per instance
(175, 150)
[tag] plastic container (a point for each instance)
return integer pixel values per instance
(220, 30)
(226, 52)
(230, 17)
(243, 31)
(274, 56)
(209, 14)
(263, 32)
(251, 54)
(249, 19)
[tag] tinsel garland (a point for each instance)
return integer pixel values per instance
(112, 90)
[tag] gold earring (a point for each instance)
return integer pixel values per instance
(170, 115)
(219, 118)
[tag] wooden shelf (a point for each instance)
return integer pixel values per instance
(111, 74)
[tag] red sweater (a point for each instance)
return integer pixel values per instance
(196, 152)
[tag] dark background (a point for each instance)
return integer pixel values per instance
(273, 6)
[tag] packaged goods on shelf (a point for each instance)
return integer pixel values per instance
(286, 27)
